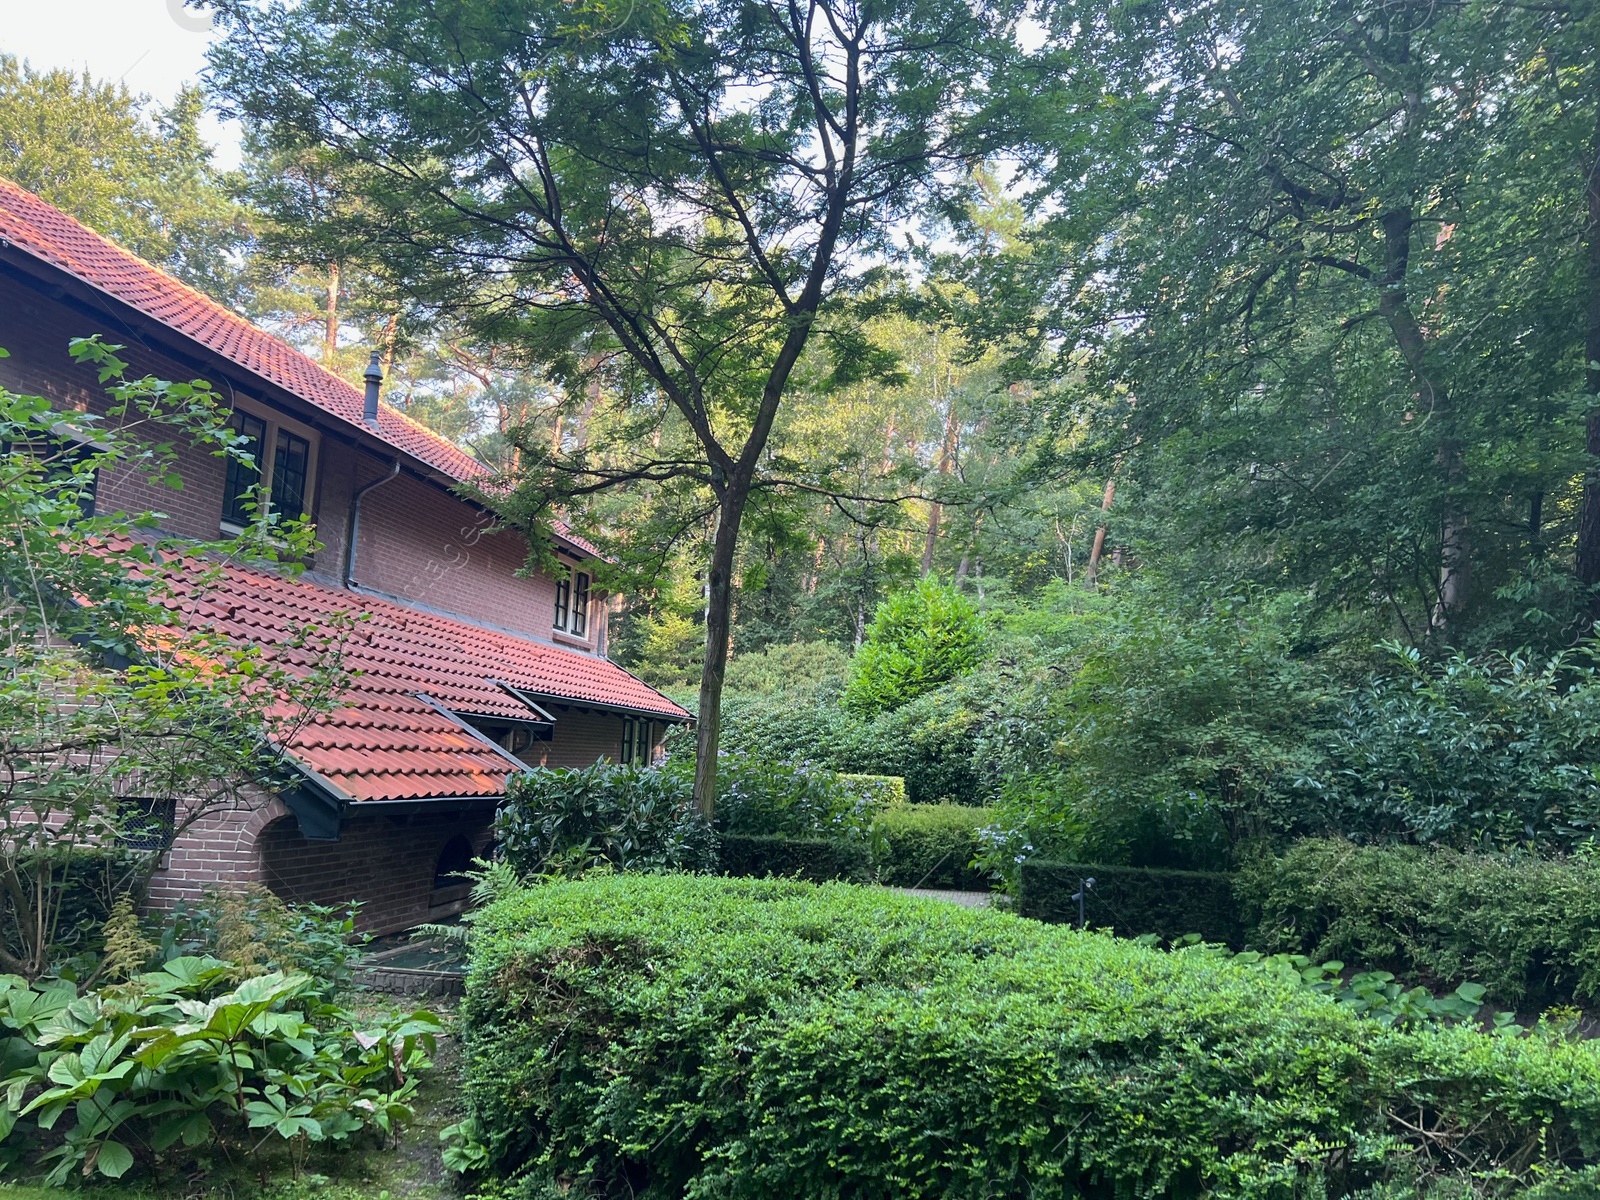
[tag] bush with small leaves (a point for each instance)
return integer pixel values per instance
(663, 1036)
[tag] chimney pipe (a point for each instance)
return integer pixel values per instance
(374, 377)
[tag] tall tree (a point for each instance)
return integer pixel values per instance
(141, 175)
(1339, 287)
(702, 185)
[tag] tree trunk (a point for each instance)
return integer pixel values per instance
(1455, 555)
(1588, 556)
(947, 458)
(1092, 571)
(719, 621)
(330, 318)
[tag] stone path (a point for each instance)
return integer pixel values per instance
(965, 899)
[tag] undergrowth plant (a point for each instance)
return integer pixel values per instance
(180, 1061)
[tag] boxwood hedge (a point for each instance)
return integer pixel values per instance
(932, 846)
(672, 1036)
(1525, 927)
(816, 859)
(1134, 900)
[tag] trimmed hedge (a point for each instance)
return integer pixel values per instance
(932, 846)
(670, 1036)
(760, 855)
(1526, 928)
(1134, 900)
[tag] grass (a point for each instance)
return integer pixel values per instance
(409, 1170)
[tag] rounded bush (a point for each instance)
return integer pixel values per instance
(673, 1036)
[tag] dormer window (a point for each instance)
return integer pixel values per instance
(278, 454)
(240, 488)
(572, 603)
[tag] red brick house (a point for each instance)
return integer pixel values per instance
(468, 672)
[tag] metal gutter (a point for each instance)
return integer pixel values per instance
(476, 733)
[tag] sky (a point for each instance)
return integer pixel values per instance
(155, 46)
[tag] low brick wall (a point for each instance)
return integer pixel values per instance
(387, 859)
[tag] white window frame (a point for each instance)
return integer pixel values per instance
(565, 615)
(269, 453)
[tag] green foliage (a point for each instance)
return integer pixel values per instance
(932, 846)
(1134, 901)
(1499, 751)
(1377, 996)
(179, 1060)
(1170, 735)
(784, 669)
(663, 1036)
(918, 640)
(931, 742)
(1527, 928)
(143, 178)
(786, 856)
(570, 820)
(880, 791)
(756, 795)
(255, 932)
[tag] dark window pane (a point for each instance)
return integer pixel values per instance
(239, 488)
(580, 604)
(290, 464)
(148, 824)
(563, 599)
(60, 462)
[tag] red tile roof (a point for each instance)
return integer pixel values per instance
(50, 235)
(384, 742)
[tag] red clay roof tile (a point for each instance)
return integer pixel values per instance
(384, 742)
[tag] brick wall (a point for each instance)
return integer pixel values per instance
(417, 542)
(581, 737)
(386, 859)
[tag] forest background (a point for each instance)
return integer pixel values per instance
(1245, 407)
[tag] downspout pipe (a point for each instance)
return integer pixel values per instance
(352, 528)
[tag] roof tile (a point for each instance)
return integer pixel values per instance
(383, 742)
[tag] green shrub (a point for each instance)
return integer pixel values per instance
(663, 1036)
(1528, 929)
(816, 859)
(757, 795)
(1174, 732)
(932, 845)
(1497, 751)
(181, 1059)
(929, 742)
(569, 820)
(878, 791)
(917, 640)
(255, 931)
(1134, 900)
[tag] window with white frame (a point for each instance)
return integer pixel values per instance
(281, 454)
(563, 598)
(637, 741)
(580, 604)
(572, 602)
